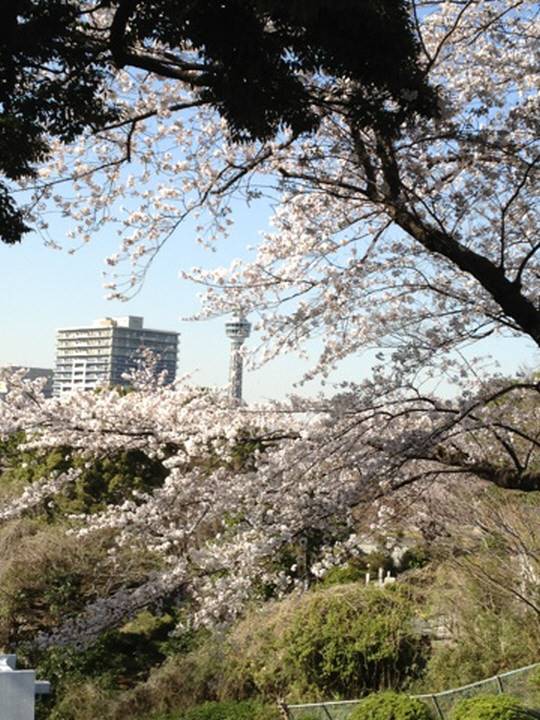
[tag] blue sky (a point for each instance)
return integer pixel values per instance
(44, 289)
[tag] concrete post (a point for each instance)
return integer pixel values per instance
(18, 689)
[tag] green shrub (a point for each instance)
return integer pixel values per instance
(487, 707)
(355, 639)
(415, 557)
(104, 481)
(390, 706)
(84, 700)
(245, 710)
(108, 480)
(346, 574)
(331, 642)
(534, 678)
(47, 575)
(532, 692)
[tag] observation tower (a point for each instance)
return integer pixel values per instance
(238, 331)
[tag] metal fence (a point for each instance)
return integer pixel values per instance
(523, 683)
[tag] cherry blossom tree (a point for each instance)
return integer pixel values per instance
(248, 488)
(415, 241)
(446, 207)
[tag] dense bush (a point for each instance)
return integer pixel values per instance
(355, 639)
(246, 710)
(390, 706)
(363, 635)
(182, 681)
(346, 574)
(47, 575)
(487, 707)
(20, 466)
(44, 576)
(84, 700)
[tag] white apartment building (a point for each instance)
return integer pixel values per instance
(88, 357)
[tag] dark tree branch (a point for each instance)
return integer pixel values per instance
(506, 293)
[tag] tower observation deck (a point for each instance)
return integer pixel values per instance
(238, 331)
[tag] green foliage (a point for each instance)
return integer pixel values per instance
(44, 576)
(12, 223)
(294, 559)
(340, 640)
(253, 58)
(110, 480)
(319, 36)
(229, 710)
(82, 700)
(118, 658)
(346, 574)
(337, 640)
(415, 558)
(40, 35)
(487, 707)
(355, 570)
(391, 706)
(184, 680)
(534, 684)
(486, 642)
(47, 576)
(117, 661)
(379, 559)
(102, 481)
(354, 640)
(483, 595)
(20, 467)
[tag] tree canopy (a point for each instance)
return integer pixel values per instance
(252, 60)
(50, 87)
(414, 244)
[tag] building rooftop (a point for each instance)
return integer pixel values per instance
(133, 322)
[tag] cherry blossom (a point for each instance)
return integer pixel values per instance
(415, 244)
(248, 486)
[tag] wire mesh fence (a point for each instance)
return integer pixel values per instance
(523, 683)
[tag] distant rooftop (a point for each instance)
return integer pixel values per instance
(130, 321)
(133, 322)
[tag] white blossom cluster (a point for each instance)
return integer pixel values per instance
(415, 245)
(247, 487)
(36, 493)
(359, 255)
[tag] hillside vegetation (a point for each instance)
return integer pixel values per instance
(463, 607)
